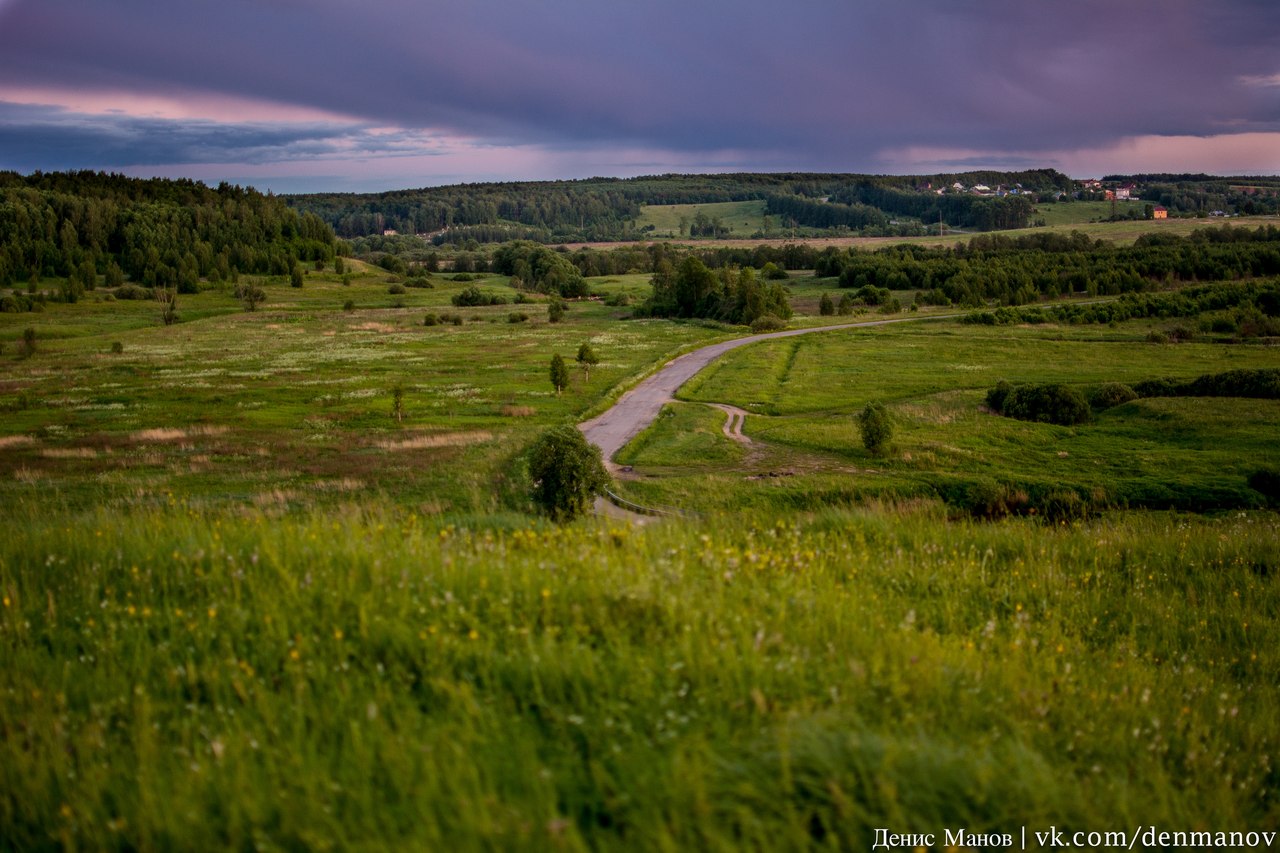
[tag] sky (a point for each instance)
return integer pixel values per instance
(330, 95)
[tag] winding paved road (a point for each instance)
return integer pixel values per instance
(638, 408)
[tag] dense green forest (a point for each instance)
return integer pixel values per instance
(91, 228)
(606, 208)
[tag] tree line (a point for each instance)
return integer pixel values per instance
(92, 227)
(1019, 270)
(600, 209)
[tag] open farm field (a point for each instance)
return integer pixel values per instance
(1081, 212)
(243, 604)
(1120, 233)
(742, 218)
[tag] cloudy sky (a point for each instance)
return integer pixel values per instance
(311, 95)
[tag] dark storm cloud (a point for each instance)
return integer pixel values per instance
(49, 138)
(816, 84)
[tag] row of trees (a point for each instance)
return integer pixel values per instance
(159, 233)
(1019, 270)
(607, 208)
(729, 294)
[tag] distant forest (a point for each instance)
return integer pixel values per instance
(89, 226)
(608, 208)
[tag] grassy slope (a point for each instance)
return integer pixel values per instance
(362, 677)
(235, 610)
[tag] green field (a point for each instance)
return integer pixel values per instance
(291, 405)
(743, 218)
(804, 393)
(242, 605)
(1081, 212)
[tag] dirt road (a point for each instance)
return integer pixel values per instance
(638, 408)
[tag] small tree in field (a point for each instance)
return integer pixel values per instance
(397, 402)
(825, 306)
(587, 358)
(567, 473)
(559, 373)
(168, 299)
(876, 429)
(251, 295)
(556, 309)
(27, 347)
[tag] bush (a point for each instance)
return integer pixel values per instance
(826, 307)
(132, 291)
(27, 346)
(1110, 395)
(473, 297)
(463, 276)
(1063, 506)
(1155, 336)
(1053, 404)
(567, 473)
(517, 317)
(1267, 482)
(1261, 384)
(117, 347)
(431, 320)
(396, 289)
(349, 306)
(768, 323)
(876, 429)
(556, 309)
(997, 395)
(989, 500)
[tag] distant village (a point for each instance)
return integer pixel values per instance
(1088, 189)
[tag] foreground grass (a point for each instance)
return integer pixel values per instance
(362, 677)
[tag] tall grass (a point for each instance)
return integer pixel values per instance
(362, 677)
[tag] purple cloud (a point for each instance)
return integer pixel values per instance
(828, 84)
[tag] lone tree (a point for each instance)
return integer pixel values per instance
(397, 402)
(251, 295)
(876, 429)
(587, 358)
(556, 309)
(567, 473)
(559, 373)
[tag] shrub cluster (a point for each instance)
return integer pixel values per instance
(1049, 403)
(1261, 384)
(473, 297)
(1110, 395)
(768, 323)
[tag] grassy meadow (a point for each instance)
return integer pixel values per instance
(803, 394)
(742, 218)
(243, 605)
(292, 405)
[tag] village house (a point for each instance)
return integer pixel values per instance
(1160, 212)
